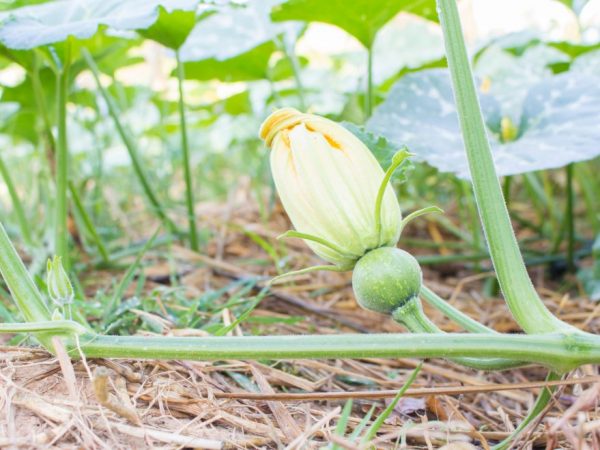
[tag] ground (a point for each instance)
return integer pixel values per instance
(292, 404)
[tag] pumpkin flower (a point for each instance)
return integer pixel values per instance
(332, 187)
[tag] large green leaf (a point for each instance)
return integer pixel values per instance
(559, 123)
(233, 30)
(110, 52)
(360, 18)
(172, 28)
(48, 23)
(405, 45)
(18, 122)
(251, 65)
(529, 49)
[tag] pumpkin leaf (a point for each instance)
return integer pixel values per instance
(231, 31)
(49, 23)
(558, 123)
(251, 65)
(172, 28)
(359, 18)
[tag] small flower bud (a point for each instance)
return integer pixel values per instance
(386, 279)
(57, 315)
(60, 289)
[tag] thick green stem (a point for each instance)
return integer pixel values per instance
(61, 232)
(16, 203)
(411, 315)
(189, 187)
(525, 305)
(562, 352)
(136, 161)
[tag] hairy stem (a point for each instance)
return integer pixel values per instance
(524, 303)
(452, 313)
(561, 352)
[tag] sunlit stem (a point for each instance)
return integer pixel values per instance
(411, 315)
(421, 212)
(61, 232)
(524, 303)
(187, 172)
(397, 159)
(325, 267)
(453, 313)
(552, 349)
(310, 237)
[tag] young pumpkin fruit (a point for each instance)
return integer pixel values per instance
(385, 279)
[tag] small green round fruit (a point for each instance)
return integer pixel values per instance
(385, 279)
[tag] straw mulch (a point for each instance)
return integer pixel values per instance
(293, 404)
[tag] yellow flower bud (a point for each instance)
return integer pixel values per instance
(328, 182)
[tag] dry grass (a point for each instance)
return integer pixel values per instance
(292, 404)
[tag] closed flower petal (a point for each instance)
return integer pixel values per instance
(328, 181)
